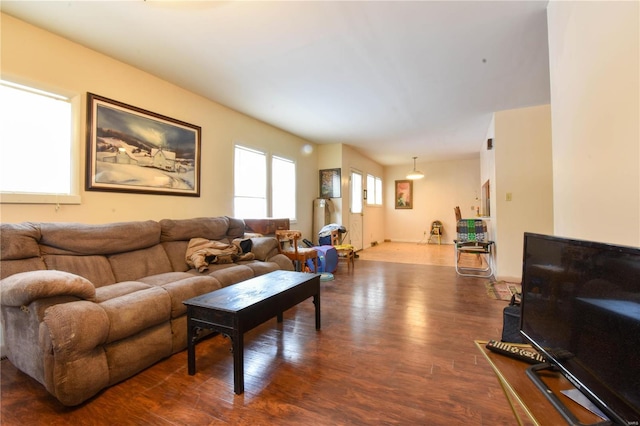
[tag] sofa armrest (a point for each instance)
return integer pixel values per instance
(25, 287)
(264, 247)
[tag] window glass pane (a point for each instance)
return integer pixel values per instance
(35, 142)
(246, 208)
(250, 188)
(374, 190)
(249, 173)
(371, 190)
(378, 191)
(283, 184)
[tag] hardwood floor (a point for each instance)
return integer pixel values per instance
(396, 347)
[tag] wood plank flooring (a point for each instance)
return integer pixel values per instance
(396, 348)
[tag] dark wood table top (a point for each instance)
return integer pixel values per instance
(237, 297)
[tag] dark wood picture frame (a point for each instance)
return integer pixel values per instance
(404, 194)
(130, 149)
(330, 183)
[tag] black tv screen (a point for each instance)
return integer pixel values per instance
(581, 310)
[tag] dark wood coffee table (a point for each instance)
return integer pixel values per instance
(238, 308)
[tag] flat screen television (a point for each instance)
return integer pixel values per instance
(581, 311)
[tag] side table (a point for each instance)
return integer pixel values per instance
(529, 405)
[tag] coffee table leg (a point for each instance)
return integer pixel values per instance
(238, 362)
(191, 348)
(279, 317)
(316, 301)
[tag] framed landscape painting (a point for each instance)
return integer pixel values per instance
(130, 149)
(404, 194)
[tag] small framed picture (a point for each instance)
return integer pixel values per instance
(330, 183)
(404, 194)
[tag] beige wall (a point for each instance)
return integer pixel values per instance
(33, 56)
(595, 97)
(523, 168)
(330, 157)
(446, 184)
(347, 159)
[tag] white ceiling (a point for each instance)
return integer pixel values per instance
(393, 79)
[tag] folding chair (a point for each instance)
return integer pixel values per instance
(472, 238)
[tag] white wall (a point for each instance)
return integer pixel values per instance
(523, 169)
(446, 184)
(33, 56)
(595, 96)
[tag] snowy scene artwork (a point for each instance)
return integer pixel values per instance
(133, 150)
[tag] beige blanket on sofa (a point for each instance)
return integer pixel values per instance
(202, 252)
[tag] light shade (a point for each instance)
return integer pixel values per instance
(415, 174)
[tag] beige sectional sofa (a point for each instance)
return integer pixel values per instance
(87, 306)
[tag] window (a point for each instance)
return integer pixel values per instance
(35, 145)
(253, 181)
(283, 188)
(374, 190)
(250, 172)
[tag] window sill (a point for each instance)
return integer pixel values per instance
(13, 198)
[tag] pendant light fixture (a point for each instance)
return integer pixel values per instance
(415, 174)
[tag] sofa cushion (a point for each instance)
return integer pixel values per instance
(236, 228)
(24, 287)
(232, 274)
(260, 268)
(139, 263)
(211, 228)
(96, 269)
(10, 267)
(77, 238)
(186, 289)
(264, 247)
(131, 313)
(165, 278)
(19, 241)
(119, 289)
(176, 251)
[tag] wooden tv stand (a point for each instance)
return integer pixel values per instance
(529, 404)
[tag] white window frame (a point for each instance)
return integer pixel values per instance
(73, 197)
(268, 180)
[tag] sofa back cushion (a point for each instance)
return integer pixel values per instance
(105, 253)
(111, 238)
(138, 264)
(211, 228)
(96, 269)
(176, 234)
(176, 251)
(19, 240)
(19, 248)
(236, 228)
